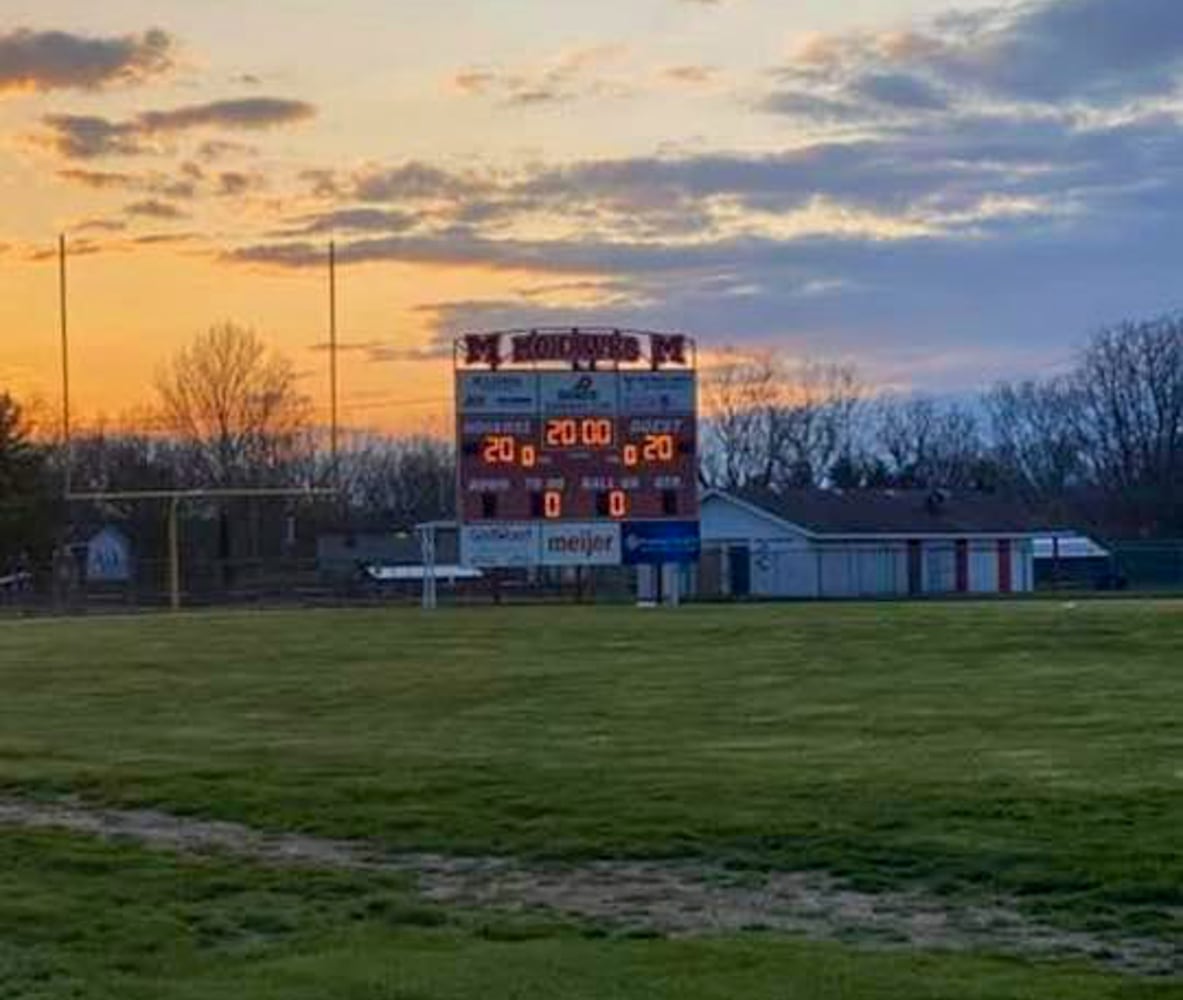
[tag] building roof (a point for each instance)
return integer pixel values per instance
(1069, 547)
(842, 513)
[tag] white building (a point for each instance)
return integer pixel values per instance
(864, 543)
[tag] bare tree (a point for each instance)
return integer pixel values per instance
(815, 424)
(236, 406)
(401, 481)
(1129, 382)
(739, 392)
(237, 413)
(928, 444)
(1035, 430)
(775, 425)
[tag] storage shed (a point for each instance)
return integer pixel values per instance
(864, 543)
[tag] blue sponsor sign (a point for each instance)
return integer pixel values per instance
(652, 542)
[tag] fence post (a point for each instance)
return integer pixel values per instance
(174, 555)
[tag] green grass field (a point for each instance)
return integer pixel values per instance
(970, 752)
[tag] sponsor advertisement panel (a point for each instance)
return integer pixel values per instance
(499, 546)
(656, 542)
(499, 393)
(581, 543)
(657, 393)
(577, 393)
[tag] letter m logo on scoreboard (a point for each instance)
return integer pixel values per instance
(482, 349)
(571, 441)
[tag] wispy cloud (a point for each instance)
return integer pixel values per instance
(92, 136)
(567, 76)
(693, 74)
(386, 352)
(183, 185)
(152, 208)
(353, 220)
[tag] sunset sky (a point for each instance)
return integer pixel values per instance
(944, 194)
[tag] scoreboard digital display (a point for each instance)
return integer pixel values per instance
(574, 431)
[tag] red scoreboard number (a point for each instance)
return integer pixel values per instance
(655, 448)
(504, 449)
(570, 449)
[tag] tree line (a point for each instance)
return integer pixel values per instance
(228, 414)
(1099, 446)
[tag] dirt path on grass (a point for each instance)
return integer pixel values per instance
(674, 898)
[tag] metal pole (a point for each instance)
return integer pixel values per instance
(174, 555)
(427, 548)
(67, 446)
(333, 360)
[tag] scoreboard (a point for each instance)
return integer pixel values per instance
(579, 448)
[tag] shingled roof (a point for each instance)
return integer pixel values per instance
(897, 512)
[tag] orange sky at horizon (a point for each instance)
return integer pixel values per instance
(127, 303)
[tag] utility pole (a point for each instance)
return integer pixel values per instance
(336, 471)
(67, 445)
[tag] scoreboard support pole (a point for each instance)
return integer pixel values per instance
(671, 581)
(659, 585)
(427, 547)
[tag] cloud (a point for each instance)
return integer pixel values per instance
(1044, 52)
(1076, 48)
(152, 182)
(866, 173)
(214, 150)
(100, 180)
(569, 75)
(100, 226)
(814, 107)
(413, 180)
(235, 183)
(354, 220)
(84, 247)
(239, 113)
(473, 81)
(152, 208)
(163, 239)
(83, 137)
(900, 90)
(58, 60)
(385, 352)
(690, 75)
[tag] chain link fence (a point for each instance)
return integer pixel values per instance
(104, 573)
(63, 587)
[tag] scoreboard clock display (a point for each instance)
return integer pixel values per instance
(574, 430)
